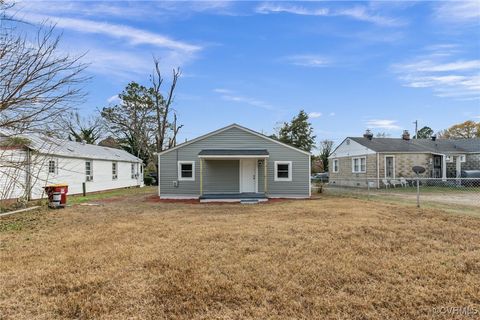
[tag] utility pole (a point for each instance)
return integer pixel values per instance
(416, 128)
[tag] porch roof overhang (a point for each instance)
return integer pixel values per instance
(233, 153)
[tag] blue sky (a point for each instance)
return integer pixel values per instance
(350, 65)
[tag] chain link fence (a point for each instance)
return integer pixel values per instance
(462, 192)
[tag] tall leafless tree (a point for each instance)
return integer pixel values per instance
(38, 82)
(167, 130)
(325, 147)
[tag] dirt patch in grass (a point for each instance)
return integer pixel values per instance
(335, 258)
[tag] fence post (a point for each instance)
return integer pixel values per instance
(418, 193)
(84, 189)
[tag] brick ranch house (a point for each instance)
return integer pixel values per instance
(358, 158)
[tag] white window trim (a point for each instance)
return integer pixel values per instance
(133, 171)
(179, 170)
(360, 165)
(55, 168)
(115, 175)
(385, 166)
(335, 168)
(91, 171)
(290, 168)
(464, 158)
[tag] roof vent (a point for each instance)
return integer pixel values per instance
(368, 134)
(434, 137)
(405, 135)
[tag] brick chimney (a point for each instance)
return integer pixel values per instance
(368, 134)
(405, 135)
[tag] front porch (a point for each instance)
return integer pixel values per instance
(233, 175)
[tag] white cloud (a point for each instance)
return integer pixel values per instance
(332, 114)
(266, 8)
(220, 90)
(125, 9)
(307, 60)
(314, 115)
(133, 35)
(360, 13)
(230, 95)
(383, 124)
(114, 99)
(458, 11)
(445, 74)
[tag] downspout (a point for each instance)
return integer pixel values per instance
(378, 170)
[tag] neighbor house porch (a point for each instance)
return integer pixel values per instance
(233, 175)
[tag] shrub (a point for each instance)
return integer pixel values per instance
(148, 180)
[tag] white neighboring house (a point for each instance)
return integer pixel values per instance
(25, 170)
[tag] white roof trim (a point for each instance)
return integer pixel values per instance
(233, 156)
(234, 125)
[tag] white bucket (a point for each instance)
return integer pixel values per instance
(56, 197)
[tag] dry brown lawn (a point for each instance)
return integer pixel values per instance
(330, 258)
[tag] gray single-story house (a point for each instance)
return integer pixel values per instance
(233, 164)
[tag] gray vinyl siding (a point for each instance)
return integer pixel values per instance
(221, 176)
(230, 139)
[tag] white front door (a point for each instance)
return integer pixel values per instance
(248, 177)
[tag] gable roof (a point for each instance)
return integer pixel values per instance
(237, 126)
(420, 145)
(58, 147)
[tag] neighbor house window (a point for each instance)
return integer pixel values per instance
(335, 165)
(390, 167)
(186, 170)
(88, 170)
(463, 158)
(133, 171)
(52, 166)
(114, 171)
(359, 165)
(283, 170)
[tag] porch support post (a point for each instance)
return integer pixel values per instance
(265, 179)
(458, 167)
(444, 168)
(201, 176)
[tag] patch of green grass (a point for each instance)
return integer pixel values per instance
(11, 226)
(77, 199)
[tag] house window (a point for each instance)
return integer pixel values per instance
(390, 167)
(335, 165)
(283, 170)
(359, 165)
(133, 171)
(52, 166)
(89, 170)
(463, 158)
(114, 171)
(186, 170)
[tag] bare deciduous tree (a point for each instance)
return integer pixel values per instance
(38, 82)
(163, 108)
(326, 147)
